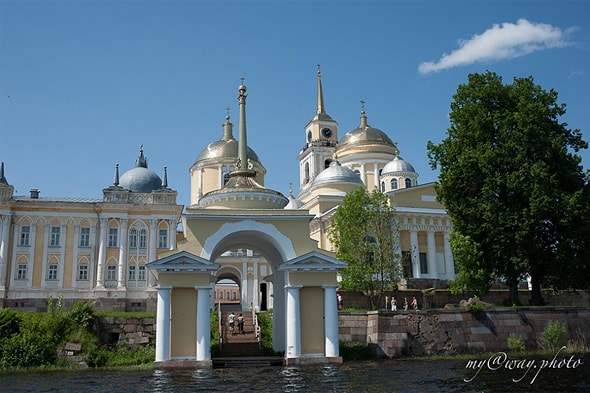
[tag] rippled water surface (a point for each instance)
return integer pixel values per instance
(374, 376)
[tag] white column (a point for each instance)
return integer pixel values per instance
(376, 175)
(203, 324)
(415, 253)
(172, 234)
(363, 173)
(4, 249)
(122, 254)
(152, 250)
(102, 252)
(432, 270)
(331, 321)
(450, 265)
(293, 322)
(163, 324)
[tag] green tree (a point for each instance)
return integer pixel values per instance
(511, 182)
(364, 234)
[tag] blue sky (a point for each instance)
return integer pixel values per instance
(84, 83)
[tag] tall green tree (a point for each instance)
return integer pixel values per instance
(364, 234)
(513, 184)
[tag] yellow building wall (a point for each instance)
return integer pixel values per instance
(312, 279)
(183, 334)
(312, 320)
(38, 258)
(183, 280)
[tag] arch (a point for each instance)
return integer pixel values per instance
(408, 182)
(394, 184)
(258, 236)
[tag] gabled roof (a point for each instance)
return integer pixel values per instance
(313, 261)
(183, 262)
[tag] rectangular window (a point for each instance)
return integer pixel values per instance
(141, 273)
(113, 237)
(131, 273)
(83, 272)
(25, 232)
(221, 294)
(163, 238)
(21, 273)
(423, 263)
(84, 237)
(143, 238)
(52, 272)
(235, 296)
(55, 232)
(111, 273)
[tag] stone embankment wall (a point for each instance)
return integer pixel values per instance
(414, 333)
(133, 332)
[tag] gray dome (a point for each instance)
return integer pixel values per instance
(398, 164)
(225, 149)
(337, 173)
(140, 178)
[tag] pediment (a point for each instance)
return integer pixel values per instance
(313, 261)
(182, 261)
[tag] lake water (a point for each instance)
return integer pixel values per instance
(370, 376)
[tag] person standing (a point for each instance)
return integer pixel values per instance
(339, 300)
(386, 302)
(241, 324)
(405, 304)
(231, 319)
(414, 303)
(393, 304)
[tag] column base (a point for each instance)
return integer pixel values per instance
(183, 364)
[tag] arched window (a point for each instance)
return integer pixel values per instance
(225, 178)
(133, 238)
(306, 179)
(382, 186)
(394, 184)
(408, 182)
(327, 163)
(142, 238)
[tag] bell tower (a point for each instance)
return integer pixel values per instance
(321, 137)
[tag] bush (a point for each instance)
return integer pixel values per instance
(475, 308)
(515, 343)
(82, 314)
(9, 323)
(265, 324)
(553, 335)
(355, 351)
(28, 349)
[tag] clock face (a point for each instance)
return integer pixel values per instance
(326, 133)
(309, 136)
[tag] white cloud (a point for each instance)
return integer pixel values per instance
(505, 41)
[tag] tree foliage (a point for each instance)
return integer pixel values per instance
(513, 185)
(363, 233)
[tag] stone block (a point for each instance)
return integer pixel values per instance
(480, 330)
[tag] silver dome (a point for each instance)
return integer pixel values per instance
(398, 164)
(140, 178)
(337, 173)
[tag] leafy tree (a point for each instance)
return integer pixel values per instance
(512, 183)
(364, 234)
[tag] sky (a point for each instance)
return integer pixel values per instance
(84, 83)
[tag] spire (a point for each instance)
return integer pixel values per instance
(116, 181)
(227, 128)
(2, 178)
(363, 116)
(141, 161)
(243, 139)
(321, 109)
(165, 180)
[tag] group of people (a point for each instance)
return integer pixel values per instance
(393, 303)
(231, 319)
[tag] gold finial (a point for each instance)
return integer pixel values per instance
(363, 102)
(227, 113)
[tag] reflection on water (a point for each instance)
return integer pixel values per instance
(374, 376)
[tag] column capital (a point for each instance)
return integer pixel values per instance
(293, 286)
(163, 287)
(331, 286)
(207, 287)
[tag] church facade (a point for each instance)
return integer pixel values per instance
(100, 249)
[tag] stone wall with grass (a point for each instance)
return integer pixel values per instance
(415, 333)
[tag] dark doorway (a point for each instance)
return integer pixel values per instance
(263, 296)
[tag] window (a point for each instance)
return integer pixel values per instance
(382, 186)
(143, 238)
(133, 238)
(408, 182)
(84, 237)
(111, 273)
(235, 295)
(141, 275)
(21, 272)
(132, 276)
(83, 272)
(55, 232)
(163, 238)
(113, 237)
(25, 232)
(394, 184)
(227, 295)
(423, 263)
(52, 272)
(225, 178)
(221, 294)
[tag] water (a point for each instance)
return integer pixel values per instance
(372, 376)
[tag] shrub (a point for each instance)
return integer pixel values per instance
(9, 323)
(82, 314)
(265, 324)
(355, 351)
(553, 335)
(475, 308)
(28, 349)
(515, 343)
